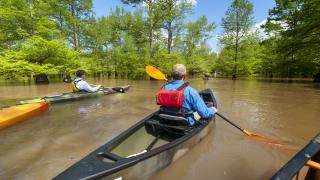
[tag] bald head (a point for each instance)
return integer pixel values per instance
(179, 71)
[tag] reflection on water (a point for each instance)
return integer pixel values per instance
(43, 146)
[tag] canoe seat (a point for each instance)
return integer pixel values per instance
(157, 123)
(173, 120)
(160, 127)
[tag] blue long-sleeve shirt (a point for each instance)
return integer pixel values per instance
(192, 101)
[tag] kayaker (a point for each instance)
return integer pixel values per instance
(176, 96)
(80, 85)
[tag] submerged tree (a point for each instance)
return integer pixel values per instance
(294, 25)
(174, 11)
(155, 19)
(236, 25)
(197, 35)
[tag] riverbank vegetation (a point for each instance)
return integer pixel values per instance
(57, 37)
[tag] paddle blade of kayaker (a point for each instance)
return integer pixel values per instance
(119, 89)
(155, 73)
(271, 141)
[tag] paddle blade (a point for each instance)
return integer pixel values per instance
(155, 73)
(118, 89)
(264, 139)
(249, 133)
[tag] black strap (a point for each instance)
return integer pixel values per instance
(77, 80)
(183, 86)
(179, 88)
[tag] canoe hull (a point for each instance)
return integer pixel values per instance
(145, 148)
(15, 114)
(145, 169)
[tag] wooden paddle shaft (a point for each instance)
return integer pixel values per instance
(313, 164)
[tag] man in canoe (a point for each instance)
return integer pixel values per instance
(80, 85)
(176, 96)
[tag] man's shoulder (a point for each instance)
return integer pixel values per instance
(191, 90)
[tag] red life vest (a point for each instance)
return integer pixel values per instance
(173, 98)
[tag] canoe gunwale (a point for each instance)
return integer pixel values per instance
(293, 166)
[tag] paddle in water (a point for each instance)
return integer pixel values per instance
(253, 135)
(157, 74)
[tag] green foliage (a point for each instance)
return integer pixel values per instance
(296, 30)
(21, 19)
(19, 69)
(71, 18)
(58, 37)
(38, 55)
(236, 25)
(174, 12)
(51, 52)
(166, 61)
(197, 34)
(250, 57)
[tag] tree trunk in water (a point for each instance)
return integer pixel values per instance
(316, 78)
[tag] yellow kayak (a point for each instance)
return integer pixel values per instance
(15, 114)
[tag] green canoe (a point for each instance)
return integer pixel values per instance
(70, 96)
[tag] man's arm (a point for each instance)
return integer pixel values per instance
(86, 87)
(199, 106)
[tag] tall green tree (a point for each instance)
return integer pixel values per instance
(236, 24)
(197, 35)
(175, 11)
(294, 25)
(284, 19)
(155, 18)
(21, 19)
(71, 17)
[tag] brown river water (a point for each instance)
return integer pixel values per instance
(42, 147)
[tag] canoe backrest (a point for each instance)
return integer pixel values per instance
(173, 118)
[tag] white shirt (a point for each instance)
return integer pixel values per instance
(82, 85)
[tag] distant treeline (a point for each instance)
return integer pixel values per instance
(57, 37)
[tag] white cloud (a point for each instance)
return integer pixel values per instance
(259, 30)
(193, 2)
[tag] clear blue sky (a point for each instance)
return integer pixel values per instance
(213, 9)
